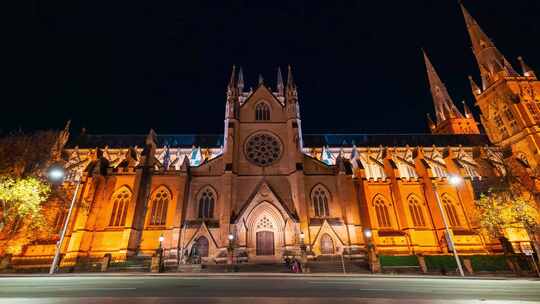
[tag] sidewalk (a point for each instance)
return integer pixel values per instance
(269, 275)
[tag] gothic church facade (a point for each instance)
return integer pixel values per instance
(265, 188)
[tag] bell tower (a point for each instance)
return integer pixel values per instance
(509, 102)
(449, 119)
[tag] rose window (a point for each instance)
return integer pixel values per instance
(263, 149)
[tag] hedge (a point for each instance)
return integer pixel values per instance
(489, 263)
(524, 262)
(398, 260)
(440, 262)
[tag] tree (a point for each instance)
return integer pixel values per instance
(27, 154)
(511, 203)
(24, 158)
(21, 199)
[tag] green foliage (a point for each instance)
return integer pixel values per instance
(489, 263)
(524, 262)
(401, 260)
(440, 262)
(500, 210)
(21, 199)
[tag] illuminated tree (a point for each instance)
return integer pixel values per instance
(511, 204)
(21, 199)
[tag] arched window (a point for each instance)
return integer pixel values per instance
(120, 206)
(383, 216)
(207, 200)
(160, 202)
(415, 209)
(451, 211)
(262, 112)
(319, 197)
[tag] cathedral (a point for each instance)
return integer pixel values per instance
(268, 190)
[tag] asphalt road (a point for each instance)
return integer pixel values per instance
(260, 289)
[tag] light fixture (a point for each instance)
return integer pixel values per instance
(302, 235)
(231, 237)
(56, 174)
(455, 180)
(368, 233)
(161, 238)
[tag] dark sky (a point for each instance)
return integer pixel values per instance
(126, 67)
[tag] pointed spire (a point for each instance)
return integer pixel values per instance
(261, 79)
(290, 80)
(280, 85)
(240, 80)
(326, 156)
(430, 122)
(488, 57)
(475, 89)
(151, 138)
(232, 80)
(444, 106)
(466, 110)
(354, 152)
(527, 71)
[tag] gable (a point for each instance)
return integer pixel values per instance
(262, 95)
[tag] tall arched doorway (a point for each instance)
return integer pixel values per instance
(200, 247)
(265, 243)
(327, 245)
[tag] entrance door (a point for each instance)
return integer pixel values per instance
(265, 243)
(327, 245)
(201, 246)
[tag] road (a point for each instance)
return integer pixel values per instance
(263, 289)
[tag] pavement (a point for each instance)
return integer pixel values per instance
(263, 288)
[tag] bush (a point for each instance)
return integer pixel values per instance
(489, 263)
(441, 262)
(524, 262)
(398, 260)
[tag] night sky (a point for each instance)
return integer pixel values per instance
(126, 67)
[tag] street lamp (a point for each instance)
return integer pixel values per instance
(368, 233)
(161, 238)
(57, 174)
(231, 248)
(454, 180)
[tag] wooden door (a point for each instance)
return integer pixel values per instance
(327, 245)
(202, 246)
(265, 243)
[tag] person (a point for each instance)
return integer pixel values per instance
(288, 262)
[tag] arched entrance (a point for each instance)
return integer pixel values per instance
(327, 244)
(200, 247)
(265, 243)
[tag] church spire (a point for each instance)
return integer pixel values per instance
(232, 80)
(240, 80)
(474, 87)
(290, 80)
(430, 122)
(527, 71)
(280, 85)
(466, 110)
(490, 61)
(444, 106)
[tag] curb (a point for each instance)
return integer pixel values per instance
(270, 275)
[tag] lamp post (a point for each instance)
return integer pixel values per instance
(231, 247)
(454, 180)
(160, 253)
(303, 258)
(57, 174)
